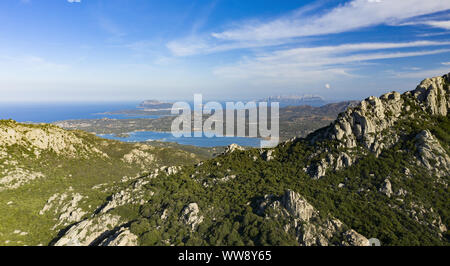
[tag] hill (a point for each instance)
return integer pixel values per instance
(51, 178)
(381, 170)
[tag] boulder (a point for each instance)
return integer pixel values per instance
(190, 215)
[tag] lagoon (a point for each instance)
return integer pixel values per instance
(141, 136)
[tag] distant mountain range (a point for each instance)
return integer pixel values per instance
(154, 105)
(296, 100)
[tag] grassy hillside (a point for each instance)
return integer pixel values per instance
(61, 172)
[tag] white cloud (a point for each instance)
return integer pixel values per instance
(421, 74)
(74, 1)
(446, 63)
(320, 63)
(327, 86)
(442, 24)
(197, 45)
(353, 15)
(438, 24)
(350, 16)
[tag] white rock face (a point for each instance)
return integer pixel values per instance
(170, 170)
(298, 206)
(362, 123)
(344, 160)
(431, 154)
(433, 93)
(131, 195)
(353, 238)
(386, 188)
(233, 147)
(65, 207)
(90, 231)
(190, 215)
(369, 124)
(310, 229)
(123, 237)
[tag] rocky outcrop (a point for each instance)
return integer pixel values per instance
(65, 207)
(310, 229)
(419, 213)
(343, 160)
(170, 170)
(134, 194)
(231, 148)
(140, 156)
(40, 138)
(91, 231)
(363, 123)
(433, 94)
(190, 215)
(297, 206)
(386, 188)
(268, 154)
(319, 169)
(353, 238)
(122, 237)
(431, 155)
(370, 124)
(17, 177)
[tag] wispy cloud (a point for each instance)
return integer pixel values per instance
(350, 16)
(110, 27)
(353, 15)
(196, 45)
(323, 62)
(420, 74)
(74, 1)
(438, 24)
(442, 24)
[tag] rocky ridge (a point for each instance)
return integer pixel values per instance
(305, 222)
(41, 138)
(370, 126)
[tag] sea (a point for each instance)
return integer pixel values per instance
(52, 112)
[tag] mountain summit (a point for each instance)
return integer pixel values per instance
(379, 123)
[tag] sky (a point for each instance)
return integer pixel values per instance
(116, 50)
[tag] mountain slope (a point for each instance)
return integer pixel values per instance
(381, 170)
(51, 178)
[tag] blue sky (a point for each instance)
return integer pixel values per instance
(115, 50)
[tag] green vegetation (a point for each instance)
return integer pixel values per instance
(227, 190)
(230, 208)
(20, 207)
